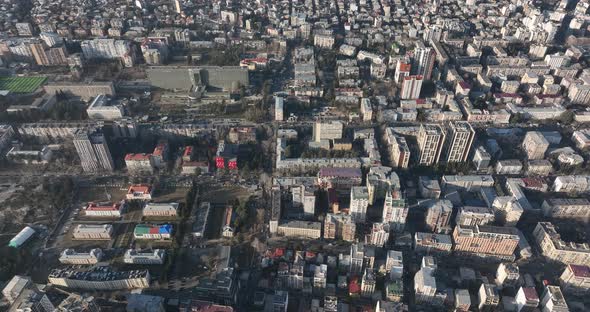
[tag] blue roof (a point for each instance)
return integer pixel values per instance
(166, 229)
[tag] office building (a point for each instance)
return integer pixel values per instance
(359, 202)
(99, 279)
(160, 210)
(459, 138)
(556, 249)
(70, 256)
(438, 216)
(411, 87)
(535, 145)
(486, 241)
(430, 144)
(575, 279)
(93, 151)
(488, 297)
(552, 300)
(303, 229)
(132, 256)
(566, 208)
(526, 299)
(339, 226)
(424, 58)
(93, 232)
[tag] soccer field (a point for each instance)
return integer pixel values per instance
(21, 84)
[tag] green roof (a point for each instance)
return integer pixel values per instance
(21, 84)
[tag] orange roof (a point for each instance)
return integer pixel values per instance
(188, 151)
(139, 188)
(137, 157)
(103, 206)
(405, 67)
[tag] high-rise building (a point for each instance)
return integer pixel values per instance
(459, 139)
(535, 145)
(552, 300)
(109, 49)
(395, 211)
(575, 279)
(279, 108)
(411, 87)
(425, 285)
(93, 151)
(368, 283)
(507, 274)
(320, 276)
(379, 234)
(359, 201)
(430, 144)
(402, 69)
(481, 158)
(394, 264)
(438, 216)
(489, 297)
(357, 258)
(339, 226)
(400, 152)
(424, 58)
(579, 93)
(526, 299)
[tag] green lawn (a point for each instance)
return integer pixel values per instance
(21, 84)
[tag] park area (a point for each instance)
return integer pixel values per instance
(21, 84)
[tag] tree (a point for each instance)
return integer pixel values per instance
(516, 118)
(566, 117)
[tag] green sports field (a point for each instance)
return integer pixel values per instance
(21, 84)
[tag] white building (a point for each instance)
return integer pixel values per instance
(93, 232)
(394, 264)
(105, 209)
(411, 87)
(566, 208)
(430, 144)
(70, 256)
(279, 108)
(535, 145)
(15, 287)
(527, 299)
(359, 201)
(160, 209)
(132, 256)
(552, 300)
(100, 108)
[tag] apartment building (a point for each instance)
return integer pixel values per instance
(470, 216)
(575, 279)
(492, 242)
(93, 151)
(566, 208)
(459, 139)
(339, 226)
(99, 278)
(554, 248)
(535, 145)
(400, 152)
(359, 202)
(430, 144)
(428, 243)
(438, 216)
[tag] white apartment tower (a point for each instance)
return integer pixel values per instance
(430, 143)
(93, 151)
(459, 139)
